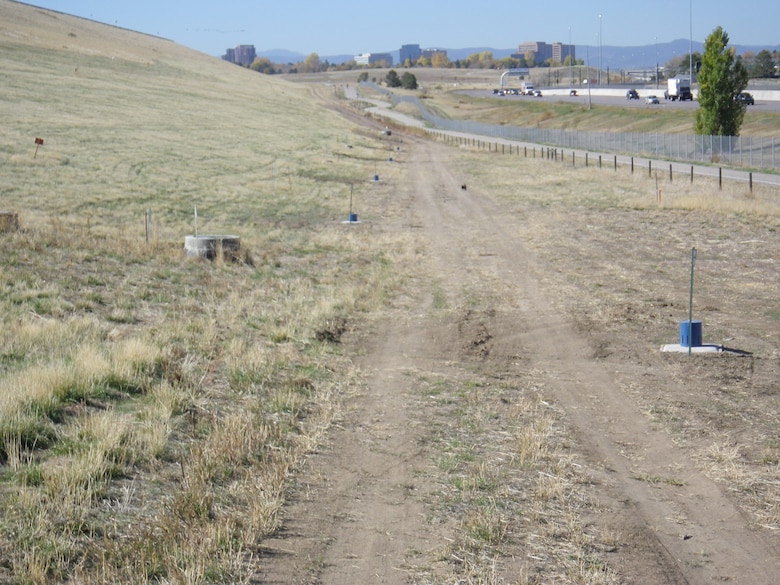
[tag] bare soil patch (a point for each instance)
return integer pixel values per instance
(539, 315)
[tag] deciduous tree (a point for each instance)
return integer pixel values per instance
(509, 63)
(263, 65)
(681, 65)
(311, 64)
(721, 77)
(440, 60)
(763, 65)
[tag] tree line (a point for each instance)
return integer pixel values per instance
(482, 60)
(761, 65)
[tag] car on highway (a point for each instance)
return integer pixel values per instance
(651, 99)
(745, 98)
(537, 92)
(632, 94)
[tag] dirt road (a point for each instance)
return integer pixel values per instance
(369, 506)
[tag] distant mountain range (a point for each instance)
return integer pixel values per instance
(614, 58)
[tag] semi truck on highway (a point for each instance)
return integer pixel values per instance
(679, 89)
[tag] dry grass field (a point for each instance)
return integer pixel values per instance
(418, 398)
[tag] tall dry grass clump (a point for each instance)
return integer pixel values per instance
(509, 480)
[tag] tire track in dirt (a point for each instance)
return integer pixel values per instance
(359, 513)
(698, 531)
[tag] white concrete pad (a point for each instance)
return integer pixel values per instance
(676, 347)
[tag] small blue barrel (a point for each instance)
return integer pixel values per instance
(376, 177)
(352, 217)
(690, 336)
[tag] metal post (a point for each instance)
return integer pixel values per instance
(690, 302)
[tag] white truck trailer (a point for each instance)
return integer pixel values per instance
(679, 88)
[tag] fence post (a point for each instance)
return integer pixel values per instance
(586, 160)
(572, 158)
(750, 180)
(599, 161)
(149, 222)
(649, 168)
(670, 172)
(632, 165)
(691, 174)
(720, 178)
(616, 163)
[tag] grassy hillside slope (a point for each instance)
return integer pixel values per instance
(128, 117)
(152, 406)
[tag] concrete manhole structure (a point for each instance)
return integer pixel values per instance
(212, 247)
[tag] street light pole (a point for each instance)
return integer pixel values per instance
(690, 46)
(656, 62)
(601, 42)
(570, 61)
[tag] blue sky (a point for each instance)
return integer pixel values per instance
(352, 26)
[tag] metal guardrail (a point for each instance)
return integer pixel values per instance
(738, 151)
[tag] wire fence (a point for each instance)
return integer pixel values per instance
(738, 151)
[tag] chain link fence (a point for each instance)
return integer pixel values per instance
(761, 153)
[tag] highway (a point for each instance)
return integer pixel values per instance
(617, 97)
(383, 108)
